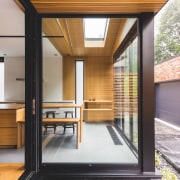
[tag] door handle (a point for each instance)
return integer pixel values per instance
(33, 106)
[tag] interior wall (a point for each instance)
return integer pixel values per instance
(52, 79)
(14, 67)
(98, 78)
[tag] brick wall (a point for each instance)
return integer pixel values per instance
(168, 70)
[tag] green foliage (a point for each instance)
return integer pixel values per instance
(167, 41)
(135, 139)
(168, 175)
(157, 159)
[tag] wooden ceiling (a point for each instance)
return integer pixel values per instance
(71, 40)
(98, 6)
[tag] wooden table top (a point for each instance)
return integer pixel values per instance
(60, 120)
(55, 120)
(97, 101)
(59, 105)
(11, 106)
(45, 105)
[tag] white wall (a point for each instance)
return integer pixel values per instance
(52, 79)
(14, 68)
(12, 19)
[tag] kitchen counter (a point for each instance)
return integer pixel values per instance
(12, 135)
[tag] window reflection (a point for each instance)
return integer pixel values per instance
(126, 93)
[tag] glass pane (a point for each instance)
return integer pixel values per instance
(69, 137)
(126, 94)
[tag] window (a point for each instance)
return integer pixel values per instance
(126, 94)
(95, 30)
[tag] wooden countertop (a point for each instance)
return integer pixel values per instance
(61, 105)
(11, 106)
(97, 101)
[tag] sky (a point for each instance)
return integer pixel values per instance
(159, 14)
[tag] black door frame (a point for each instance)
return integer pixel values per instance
(33, 88)
(33, 97)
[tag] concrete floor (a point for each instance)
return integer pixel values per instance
(97, 147)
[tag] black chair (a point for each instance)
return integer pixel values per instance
(69, 125)
(48, 113)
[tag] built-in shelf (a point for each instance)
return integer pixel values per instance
(98, 110)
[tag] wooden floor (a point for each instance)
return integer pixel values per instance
(11, 171)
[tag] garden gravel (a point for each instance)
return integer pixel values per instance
(167, 142)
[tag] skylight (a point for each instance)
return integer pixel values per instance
(95, 28)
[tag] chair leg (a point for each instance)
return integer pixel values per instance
(54, 129)
(64, 129)
(45, 129)
(73, 129)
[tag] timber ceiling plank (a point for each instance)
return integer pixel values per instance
(72, 40)
(113, 29)
(61, 45)
(101, 6)
(57, 27)
(76, 32)
(50, 27)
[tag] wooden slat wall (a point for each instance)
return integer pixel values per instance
(98, 78)
(68, 78)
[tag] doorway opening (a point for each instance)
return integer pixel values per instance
(88, 79)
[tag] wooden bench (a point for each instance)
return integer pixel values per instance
(57, 121)
(64, 121)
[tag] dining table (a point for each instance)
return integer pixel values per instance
(67, 105)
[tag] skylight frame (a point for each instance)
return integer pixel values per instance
(89, 37)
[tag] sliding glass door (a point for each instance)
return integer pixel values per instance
(126, 93)
(71, 83)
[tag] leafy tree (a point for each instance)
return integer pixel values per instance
(167, 41)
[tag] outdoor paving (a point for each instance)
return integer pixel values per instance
(167, 141)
